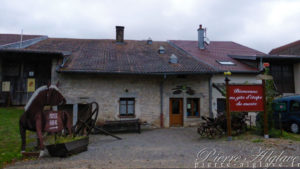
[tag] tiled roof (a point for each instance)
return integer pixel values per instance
(219, 51)
(284, 47)
(13, 38)
(105, 56)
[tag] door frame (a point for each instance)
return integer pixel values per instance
(181, 113)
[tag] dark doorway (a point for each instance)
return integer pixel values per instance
(16, 70)
(283, 74)
(221, 105)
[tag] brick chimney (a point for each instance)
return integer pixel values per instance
(119, 34)
(201, 37)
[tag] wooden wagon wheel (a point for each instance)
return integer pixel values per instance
(90, 122)
(201, 130)
(211, 127)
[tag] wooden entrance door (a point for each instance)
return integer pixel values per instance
(176, 112)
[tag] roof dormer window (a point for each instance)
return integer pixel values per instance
(226, 63)
(149, 41)
(173, 59)
(161, 50)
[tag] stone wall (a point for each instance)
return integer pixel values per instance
(108, 89)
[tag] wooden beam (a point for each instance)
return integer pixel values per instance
(228, 115)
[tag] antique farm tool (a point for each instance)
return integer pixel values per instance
(87, 125)
(210, 128)
(216, 127)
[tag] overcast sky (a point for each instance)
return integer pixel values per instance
(259, 24)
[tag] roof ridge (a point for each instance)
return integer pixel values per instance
(278, 49)
(20, 34)
(210, 41)
(135, 40)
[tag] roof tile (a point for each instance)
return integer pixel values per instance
(219, 51)
(13, 38)
(106, 56)
(281, 49)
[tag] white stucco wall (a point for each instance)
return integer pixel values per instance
(234, 78)
(200, 84)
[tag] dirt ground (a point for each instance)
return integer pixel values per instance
(174, 148)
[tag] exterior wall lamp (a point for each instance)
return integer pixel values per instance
(228, 73)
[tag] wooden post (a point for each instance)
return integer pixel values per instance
(228, 116)
(280, 124)
(266, 133)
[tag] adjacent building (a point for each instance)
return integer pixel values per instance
(18, 64)
(285, 67)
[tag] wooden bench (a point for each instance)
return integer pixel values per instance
(122, 125)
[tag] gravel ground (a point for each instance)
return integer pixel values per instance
(173, 148)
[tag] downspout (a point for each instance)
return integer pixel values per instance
(162, 102)
(210, 96)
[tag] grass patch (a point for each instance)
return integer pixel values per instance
(274, 133)
(252, 135)
(258, 140)
(62, 139)
(10, 140)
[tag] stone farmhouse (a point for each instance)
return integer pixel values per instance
(163, 83)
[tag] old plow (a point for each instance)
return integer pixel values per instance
(87, 124)
(216, 127)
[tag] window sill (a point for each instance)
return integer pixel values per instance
(131, 116)
(193, 117)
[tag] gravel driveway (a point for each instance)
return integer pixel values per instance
(172, 148)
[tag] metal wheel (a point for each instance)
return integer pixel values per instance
(202, 130)
(212, 133)
(294, 127)
(94, 116)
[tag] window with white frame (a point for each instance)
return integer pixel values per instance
(127, 107)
